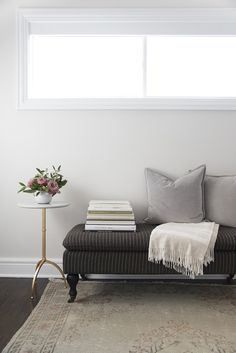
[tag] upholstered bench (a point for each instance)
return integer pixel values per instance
(113, 252)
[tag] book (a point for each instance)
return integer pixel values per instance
(110, 227)
(108, 222)
(120, 217)
(109, 202)
(111, 207)
(110, 212)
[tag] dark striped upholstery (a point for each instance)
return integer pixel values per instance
(78, 239)
(106, 252)
(114, 262)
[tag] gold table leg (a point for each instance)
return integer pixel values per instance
(44, 259)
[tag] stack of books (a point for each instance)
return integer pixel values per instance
(110, 215)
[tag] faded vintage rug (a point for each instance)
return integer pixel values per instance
(131, 318)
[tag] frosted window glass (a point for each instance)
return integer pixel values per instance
(85, 66)
(191, 66)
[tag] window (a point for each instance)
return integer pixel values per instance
(191, 66)
(85, 66)
(127, 59)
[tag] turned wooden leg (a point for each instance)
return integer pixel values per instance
(72, 280)
(230, 278)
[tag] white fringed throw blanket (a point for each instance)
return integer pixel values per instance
(185, 247)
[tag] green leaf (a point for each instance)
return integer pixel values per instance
(22, 189)
(35, 187)
(22, 184)
(63, 183)
(30, 191)
(40, 171)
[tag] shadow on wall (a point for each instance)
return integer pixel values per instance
(76, 211)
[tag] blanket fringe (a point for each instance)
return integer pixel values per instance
(179, 247)
(180, 262)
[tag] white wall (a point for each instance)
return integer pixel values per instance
(103, 153)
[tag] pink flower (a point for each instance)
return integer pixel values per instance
(42, 181)
(53, 187)
(30, 183)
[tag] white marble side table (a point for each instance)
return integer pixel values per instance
(43, 208)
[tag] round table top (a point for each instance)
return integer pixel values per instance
(53, 204)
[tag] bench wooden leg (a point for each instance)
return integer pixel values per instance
(72, 280)
(230, 278)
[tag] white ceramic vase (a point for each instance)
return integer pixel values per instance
(43, 197)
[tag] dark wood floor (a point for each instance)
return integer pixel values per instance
(15, 305)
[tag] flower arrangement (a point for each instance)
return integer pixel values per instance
(50, 182)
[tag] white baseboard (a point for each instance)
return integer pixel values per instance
(20, 267)
(150, 277)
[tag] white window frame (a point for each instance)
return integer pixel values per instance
(182, 21)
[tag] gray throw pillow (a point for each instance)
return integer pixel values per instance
(220, 199)
(179, 200)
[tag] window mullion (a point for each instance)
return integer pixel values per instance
(144, 66)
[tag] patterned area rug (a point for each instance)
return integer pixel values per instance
(131, 318)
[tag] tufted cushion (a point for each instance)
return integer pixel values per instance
(79, 239)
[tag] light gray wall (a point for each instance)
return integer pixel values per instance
(103, 153)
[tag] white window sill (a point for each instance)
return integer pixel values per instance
(129, 104)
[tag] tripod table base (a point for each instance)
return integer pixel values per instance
(37, 269)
